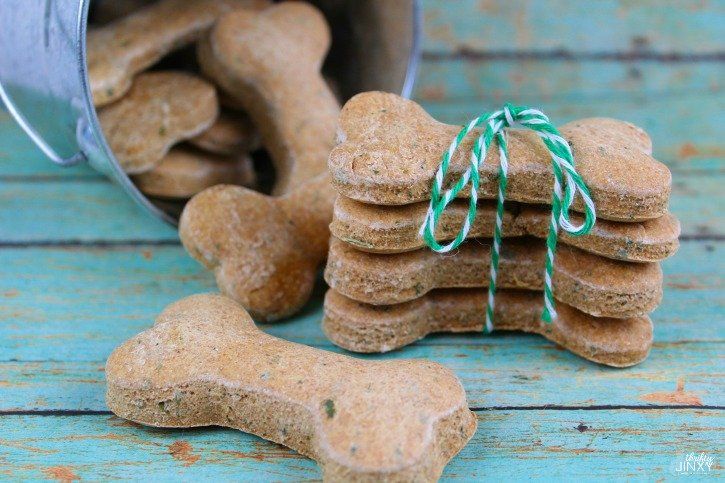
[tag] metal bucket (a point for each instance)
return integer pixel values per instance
(44, 77)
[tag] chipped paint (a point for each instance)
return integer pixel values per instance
(62, 474)
(678, 396)
(182, 451)
(687, 150)
(691, 285)
(262, 451)
(25, 447)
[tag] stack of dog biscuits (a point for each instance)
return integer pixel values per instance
(387, 289)
(189, 91)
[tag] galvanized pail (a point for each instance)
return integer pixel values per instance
(44, 77)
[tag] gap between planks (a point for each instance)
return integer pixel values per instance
(464, 53)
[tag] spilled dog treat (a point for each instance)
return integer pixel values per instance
(161, 109)
(391, 148)
(232, 133)
(120, 50)
(205, 363)
(264, 250)
(270, 62)
(394, 229)
(362, 327)
(596, 286)
(185, 172)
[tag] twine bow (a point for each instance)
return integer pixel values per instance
(565, 175)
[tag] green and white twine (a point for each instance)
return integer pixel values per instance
(565, 175)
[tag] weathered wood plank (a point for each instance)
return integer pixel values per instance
(523, 445)
(60, 319)
(565, 81)
(79, 210)
(599, 26)
(695, 200)
(509, 371)
(79, 303)
(41, 211)
(66, 302)
(20, 158)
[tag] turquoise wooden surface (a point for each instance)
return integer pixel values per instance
(539, 445)
(82, 269)
(617, 27)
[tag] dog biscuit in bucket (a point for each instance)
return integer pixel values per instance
(270, 62)
(120, 50)
(160, 110)
(232, 133)
(185, 172)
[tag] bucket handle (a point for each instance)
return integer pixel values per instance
(35, 135)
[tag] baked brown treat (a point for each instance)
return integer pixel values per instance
(596, 286)
(205, 363)
(264, 250)
(269, 61)
(394, 229)
(160, 110)
(121, 49)
(185, 172)
(232, 134)
(390, 150)
(363, 327)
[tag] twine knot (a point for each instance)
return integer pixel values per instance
(565, 175)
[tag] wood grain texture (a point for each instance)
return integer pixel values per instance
(97, 210)
(64, 210)
(61, 318)
(565, 81)
(509, 371)
(573, 445)
(77, 304)
(615, 26)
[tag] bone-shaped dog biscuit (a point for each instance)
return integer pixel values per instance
(161, 109)
(185, 172)
(394, 229)
(122, 49)
(205, 363)
(105, 11)
(362, 327)
(232, 133)
(391, 148)
(264, 250)
(270, 61)
(596, 286)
